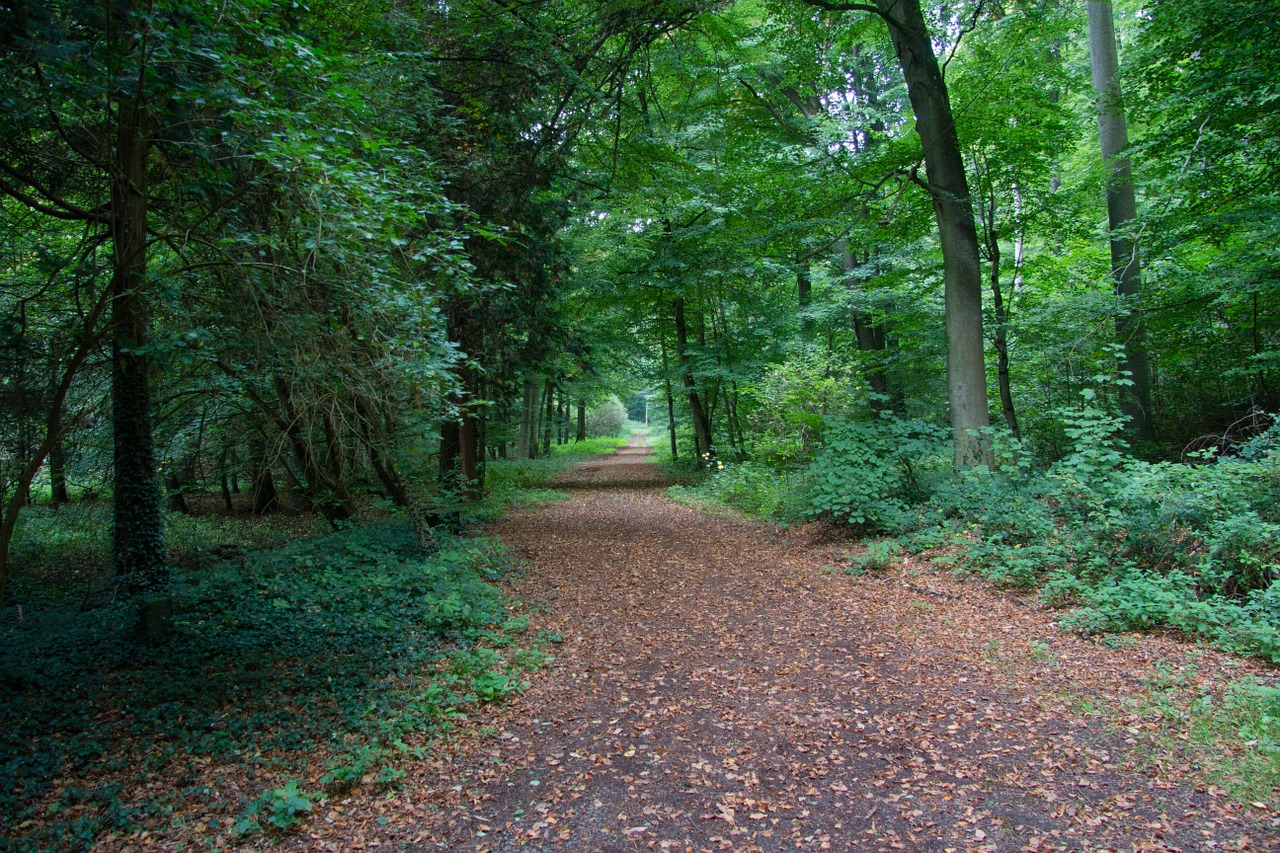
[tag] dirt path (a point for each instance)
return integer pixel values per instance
(717, 690)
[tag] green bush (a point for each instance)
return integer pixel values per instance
(870, 474)
(757, 489)
(1131, 545)
(606, 419)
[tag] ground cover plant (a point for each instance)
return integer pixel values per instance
(1111, 543)
(304, 663)
(300, 671)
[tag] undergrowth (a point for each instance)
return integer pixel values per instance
(302, 671)
(303, 664)
(1234, 738)
(520, 481)
(1117, 544)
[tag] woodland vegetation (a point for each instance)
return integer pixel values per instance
(995, 279)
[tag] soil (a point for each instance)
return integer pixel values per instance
(719, 687)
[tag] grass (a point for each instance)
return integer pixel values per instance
(511, 482)
(1232, 738)
(1241, 735)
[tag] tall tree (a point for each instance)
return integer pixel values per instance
(1122, 216)
(78, 148)
(953, 209)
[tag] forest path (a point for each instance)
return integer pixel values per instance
(717, 690)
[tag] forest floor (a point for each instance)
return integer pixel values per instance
(719, 687)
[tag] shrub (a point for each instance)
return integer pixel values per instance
(871, 473)
(607, 418)
(758, 489)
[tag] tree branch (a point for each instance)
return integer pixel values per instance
(51, 205)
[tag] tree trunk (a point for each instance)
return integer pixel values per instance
(524, 449)
(321, 490)
(262, 492)
(1000, 335)
(224, 483)
(138, 556)
(376, 433)
(459, 449)
(58, 472)
(868, 332)
(176, 501)
(582, 420)
(804, 296)
(1122, 212)
(953, 209)
(469, 448)
(671, 399)
(459, 444)
(701, 423)
(549, 420)
(562, 418)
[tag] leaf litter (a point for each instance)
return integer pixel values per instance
(715, 689)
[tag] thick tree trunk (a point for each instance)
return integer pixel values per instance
(701, 422)
(138, 556)
(582, 420)
(953, 209)
(1122, 212)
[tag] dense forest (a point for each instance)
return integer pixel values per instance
(992, 278)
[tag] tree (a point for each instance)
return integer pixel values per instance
(74, 163)
(1122, 215)
(948, 186)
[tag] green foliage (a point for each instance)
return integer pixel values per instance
(282, 808)
(66, 548)
(757, 489)
(1129, 545)
(338, 652)
(878, 555)
(1140, 545)
(520, 481)
(1234, 737)
(1248, 714)
(871, 474)
(791, 401)
(607, 419)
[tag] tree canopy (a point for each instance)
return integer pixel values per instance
(307, 248)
